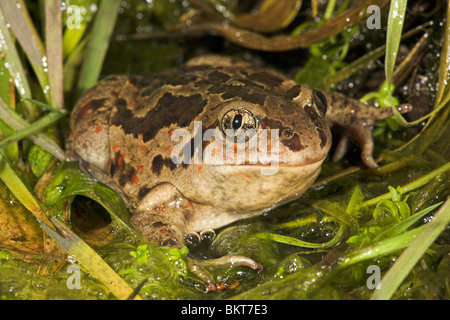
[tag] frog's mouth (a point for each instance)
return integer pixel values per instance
(304, 167)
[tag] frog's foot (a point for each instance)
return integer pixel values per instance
(200, 268)
(357, 121)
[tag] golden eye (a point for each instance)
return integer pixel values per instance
(237, 121)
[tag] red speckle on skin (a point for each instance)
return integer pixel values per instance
(197, 116)
(85, 108)
(247, 176)
(190, 204)
(199, 169)
(162, 208)
(116, 148)
(140, 169)
(164, 231)
(98, 129)
(352, 110)
(134, 178)
(120, 160)
(133, 102)
(170, 133)
(143, 147)
(167, 148)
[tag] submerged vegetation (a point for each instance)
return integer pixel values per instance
(356, 234)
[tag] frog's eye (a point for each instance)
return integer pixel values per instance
(238, 121)
(320, 102)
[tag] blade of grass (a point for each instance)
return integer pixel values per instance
(434, 128)
(53, 43)
(381, 248)
(20, 191)
(408, 259)
(15, 121)
(33, 128)
(97, 46)
(410, 186)
(22, 26)
(90, 260)
(405, 224)
(442, 87)
(394, 33)
(300, 243)
(14, 64)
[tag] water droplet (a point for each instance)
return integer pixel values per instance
(44, 62)
(93, 8)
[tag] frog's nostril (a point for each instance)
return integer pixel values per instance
(288, 133)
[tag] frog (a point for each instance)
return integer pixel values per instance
(122, 131)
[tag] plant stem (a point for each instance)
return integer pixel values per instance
(53, 43)
(410, 186)
(97, 47)
(13, 120)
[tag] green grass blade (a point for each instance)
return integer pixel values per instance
(408, 259)
(405, 224)
(53, 43)
(90, 260)
(381, 248)
(97, 46)
(33, 128)
(20, 191)
(22, 26)
(442, 87)
(14, 64)
(394, 33)
(15, 121)
(410, 186)
(300, 243)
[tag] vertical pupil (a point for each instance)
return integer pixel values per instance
(237, 121)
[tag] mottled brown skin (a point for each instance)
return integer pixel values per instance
(121, 130)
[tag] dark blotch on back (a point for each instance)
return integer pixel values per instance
(218, 77)
(159, 162)
(293, 92)
(266, 78)
(169, 109)
(243, 92)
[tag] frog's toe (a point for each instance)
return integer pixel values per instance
(200, 267)
(341, 149)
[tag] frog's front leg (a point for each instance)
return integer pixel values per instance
(161, 216)
(356, 120)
